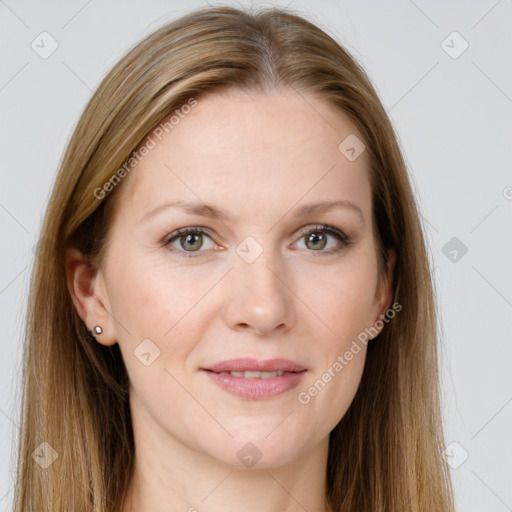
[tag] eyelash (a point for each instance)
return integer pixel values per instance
(322, 228)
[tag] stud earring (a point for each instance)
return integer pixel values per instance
(96, 330)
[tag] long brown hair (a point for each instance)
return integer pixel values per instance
(386, 452)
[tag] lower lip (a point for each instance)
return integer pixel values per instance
(256, 389)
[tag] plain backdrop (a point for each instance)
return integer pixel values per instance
(442, 71)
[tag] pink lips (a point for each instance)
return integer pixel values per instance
(256, 387)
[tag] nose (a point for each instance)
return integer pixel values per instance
(261, 297)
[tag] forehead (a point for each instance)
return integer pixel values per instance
(251, 149)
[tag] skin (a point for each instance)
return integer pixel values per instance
(259, 156)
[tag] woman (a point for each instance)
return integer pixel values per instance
(232, 305)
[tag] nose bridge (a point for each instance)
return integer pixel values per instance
(262, 298)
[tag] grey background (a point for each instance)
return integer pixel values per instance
(453, 120)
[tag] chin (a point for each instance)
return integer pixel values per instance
(255, 452)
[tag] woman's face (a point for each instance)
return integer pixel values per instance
(251, 291)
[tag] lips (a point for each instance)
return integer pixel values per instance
(254, 379)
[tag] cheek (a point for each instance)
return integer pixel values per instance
(167, 306)
(343, 302)
(342, 299)
(157, 321)
(151, 297)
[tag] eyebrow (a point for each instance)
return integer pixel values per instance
(214, 212)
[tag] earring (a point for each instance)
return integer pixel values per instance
(96, 330)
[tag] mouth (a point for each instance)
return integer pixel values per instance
(254, 379)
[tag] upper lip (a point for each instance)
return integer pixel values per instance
(255, 365)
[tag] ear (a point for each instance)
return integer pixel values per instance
(385, 288)
(86, 286)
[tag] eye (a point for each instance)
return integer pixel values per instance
(316, 238)
(188, 240)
